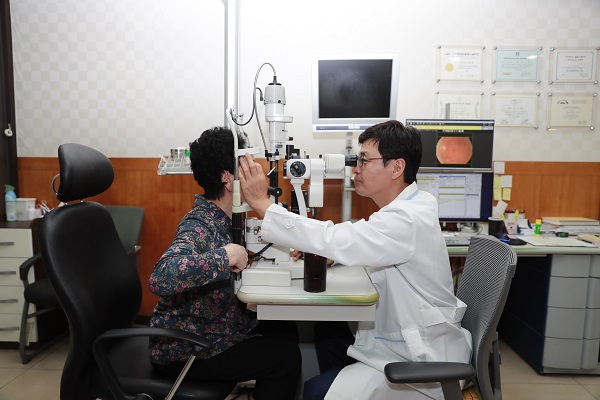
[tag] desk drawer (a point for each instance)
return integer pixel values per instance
(9, 272)
(11, 300)
(562, 353)
(15, 243)
(10, 327)
(565, 323)
(571, 265)
(567, 292)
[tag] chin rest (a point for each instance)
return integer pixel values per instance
(101, 294)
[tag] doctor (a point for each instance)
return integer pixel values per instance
(417, 316)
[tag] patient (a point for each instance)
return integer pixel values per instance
(193, 279)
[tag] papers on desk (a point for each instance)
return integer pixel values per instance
(555, 241)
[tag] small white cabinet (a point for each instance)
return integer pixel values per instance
(15, 247)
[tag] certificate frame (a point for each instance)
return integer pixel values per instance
(515, 110)
(517, 64)
(573, 65)
(460, 63)
(571, 110)
(458, 105)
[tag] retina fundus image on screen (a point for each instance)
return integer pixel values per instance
(454, 150)
(455, 144)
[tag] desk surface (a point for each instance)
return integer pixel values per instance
(350, 296)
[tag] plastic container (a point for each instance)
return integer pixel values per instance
(23, 205)
(10, 203)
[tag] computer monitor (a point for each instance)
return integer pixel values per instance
(353, 92)
(450, 144)
(462, 196)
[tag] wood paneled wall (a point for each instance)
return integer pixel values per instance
(539, 188)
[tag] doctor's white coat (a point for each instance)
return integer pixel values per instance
(417, 315)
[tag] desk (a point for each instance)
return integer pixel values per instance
(551, 317)
(350, 296)
(552, 314)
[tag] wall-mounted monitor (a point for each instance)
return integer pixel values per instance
(452, 144)
(353, 92)
(462, 196)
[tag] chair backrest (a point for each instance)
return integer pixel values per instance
(128, 220)
(484, 285)
(86, 263)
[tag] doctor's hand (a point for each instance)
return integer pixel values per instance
(254, 184)
(238, 257)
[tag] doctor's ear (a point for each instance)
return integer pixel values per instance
(399, 167)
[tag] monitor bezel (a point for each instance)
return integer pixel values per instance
(351, 124)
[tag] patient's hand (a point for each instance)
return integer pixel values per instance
(238, 256)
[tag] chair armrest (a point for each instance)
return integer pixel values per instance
(100, 351)
(26, 266)
(136, 249)
(423, 372)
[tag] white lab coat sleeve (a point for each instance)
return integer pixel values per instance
(347, 243)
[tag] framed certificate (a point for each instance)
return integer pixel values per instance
(573, 65)
(517, 64)
(455, 105)
(515, 110)
(457, 63)
(570, 110)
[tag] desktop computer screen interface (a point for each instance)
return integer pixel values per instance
(456, 144)
(462, 196)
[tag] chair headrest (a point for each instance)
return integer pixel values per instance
(84, 172)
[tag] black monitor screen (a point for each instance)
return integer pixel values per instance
(456, 144)
(353, 92)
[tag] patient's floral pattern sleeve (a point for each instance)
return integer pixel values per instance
(192, 279)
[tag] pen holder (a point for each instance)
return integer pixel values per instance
(315, 273)
(495, 226)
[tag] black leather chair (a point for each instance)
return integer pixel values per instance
(100, 293)
(39, 293)
(484, 285)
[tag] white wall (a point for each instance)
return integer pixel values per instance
(134, 78)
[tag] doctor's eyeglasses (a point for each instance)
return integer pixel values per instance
(362, 161)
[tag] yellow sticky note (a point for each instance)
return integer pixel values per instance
(497, 181)
(498, 194)
(506, 192)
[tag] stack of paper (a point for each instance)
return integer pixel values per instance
(571, 221)
(572, 225)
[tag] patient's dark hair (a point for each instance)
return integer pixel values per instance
(210, 155)
(394, 140)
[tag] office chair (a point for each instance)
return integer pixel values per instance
(128, 220)
(484, 285)
(100, 293)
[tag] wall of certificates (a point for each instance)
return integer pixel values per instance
(517, 86)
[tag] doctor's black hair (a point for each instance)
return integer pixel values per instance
(394, 140)
(210, 155)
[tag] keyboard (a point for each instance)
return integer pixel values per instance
(457, 240)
